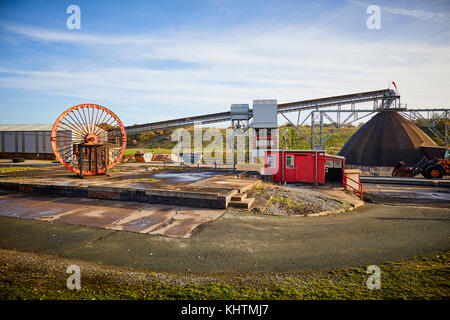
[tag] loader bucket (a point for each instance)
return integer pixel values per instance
(401, 170)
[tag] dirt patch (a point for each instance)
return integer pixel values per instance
(278, 200)
(162, 157)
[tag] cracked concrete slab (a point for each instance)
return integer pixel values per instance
(165, 220)
(145, 220)
(23, 206)
(185, 221)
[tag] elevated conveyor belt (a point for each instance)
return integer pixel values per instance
(385, 96)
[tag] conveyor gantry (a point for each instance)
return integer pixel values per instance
(385, 96)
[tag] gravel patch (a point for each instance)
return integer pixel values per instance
(279, 200)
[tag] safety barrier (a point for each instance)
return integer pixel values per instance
(358, 190)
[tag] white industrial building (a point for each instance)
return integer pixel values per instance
(29, 141)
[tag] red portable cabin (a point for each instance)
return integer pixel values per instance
(301, 165)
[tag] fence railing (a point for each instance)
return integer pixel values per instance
(359, 190)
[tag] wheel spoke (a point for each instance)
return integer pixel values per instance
(88, 123)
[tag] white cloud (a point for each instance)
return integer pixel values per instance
(420, 14)
(74, 37)
(415, 13)
(285, 63)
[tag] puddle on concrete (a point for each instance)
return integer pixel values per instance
(422, 195)
(65, 184)
(179, 177)
(28, 213)
(143, 223)
(141, 185)
(174, 178)
(44, 213)
(431, 195)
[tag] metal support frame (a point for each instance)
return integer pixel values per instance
(431, 120)
(240, 127)
(318, 116)
(81, 166)
(296, 126)
(446, 129)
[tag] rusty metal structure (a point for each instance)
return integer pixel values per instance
(88, 139)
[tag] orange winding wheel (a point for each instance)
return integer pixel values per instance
(88, 137)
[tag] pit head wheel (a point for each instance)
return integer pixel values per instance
(90, 137)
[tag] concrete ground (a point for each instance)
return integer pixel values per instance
(137, 176)
(407, 194)
(166, 220)
(235, 242)
(243, 242)
(416, 181)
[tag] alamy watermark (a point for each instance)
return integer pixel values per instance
(374, 20)
(74, 20)
(222, 146)
(74, 280)
(374, 281)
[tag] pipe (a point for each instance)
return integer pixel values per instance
(81, 161)
(316, 170)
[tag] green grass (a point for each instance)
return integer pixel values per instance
(333, 145)
(423, 278)
(147, 180)
(13, 169)
(288, 203)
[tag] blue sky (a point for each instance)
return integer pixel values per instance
(158, 60)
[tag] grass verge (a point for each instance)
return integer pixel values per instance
(31, 276)
(13, 169)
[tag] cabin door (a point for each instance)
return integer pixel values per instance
(301, 168)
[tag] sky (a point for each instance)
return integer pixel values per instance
(159, 60)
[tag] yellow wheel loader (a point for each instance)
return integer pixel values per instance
(429, 168)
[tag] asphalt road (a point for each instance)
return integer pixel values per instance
(246, 242)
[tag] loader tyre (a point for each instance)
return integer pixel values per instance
(423, 172)
(434, 171)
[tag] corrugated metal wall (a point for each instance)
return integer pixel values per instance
(25, 142)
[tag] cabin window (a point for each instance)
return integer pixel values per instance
(289, 162)
(333, 164)
(337, 164)
(271, 162)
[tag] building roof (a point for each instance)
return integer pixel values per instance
(306, 151)
(385, 140)
(26, 127)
